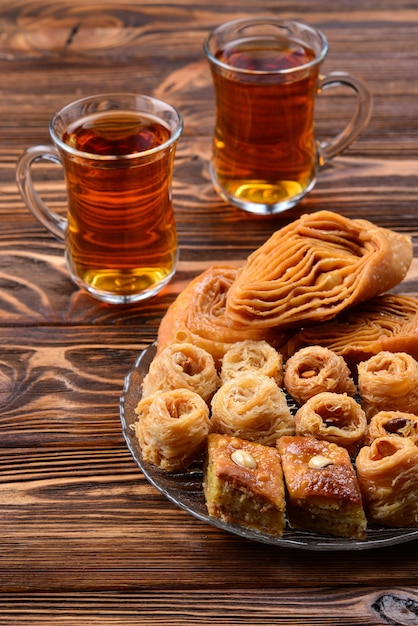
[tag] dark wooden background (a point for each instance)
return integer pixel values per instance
(84, 539)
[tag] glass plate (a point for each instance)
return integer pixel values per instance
(185, 489)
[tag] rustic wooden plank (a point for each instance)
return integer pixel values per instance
(235, 606)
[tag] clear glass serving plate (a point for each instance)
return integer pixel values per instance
(185, 489)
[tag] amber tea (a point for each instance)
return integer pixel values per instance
(117, 151)
(266, 77)
(264, 145)
(121, 233)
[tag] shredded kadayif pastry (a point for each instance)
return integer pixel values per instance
(172, 428)
(252, 407)
(252, 356)
(387, 472)
(388, 381)
(315, 267)
(315, 369)
(333, 417)
(393, 424)
(182, 366)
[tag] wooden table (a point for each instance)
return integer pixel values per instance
(85, 539)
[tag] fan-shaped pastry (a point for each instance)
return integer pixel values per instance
(393, 423)
(323, 492)
(315, 267)
(315, 369)
(252, 407)
(252, 356)
(387, 472)
(387, 322)
(388, 381)
(333, 417)
(172, 428)
(182, 366)
(243, 484)
(198, 316)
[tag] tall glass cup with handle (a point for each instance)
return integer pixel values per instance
(266, 78)
(117, 152)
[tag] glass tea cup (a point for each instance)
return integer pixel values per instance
(117, 152)
(266, 78)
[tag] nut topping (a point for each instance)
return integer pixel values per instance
(320, 462)
(308, 374)
(243, 459)
(396, 424)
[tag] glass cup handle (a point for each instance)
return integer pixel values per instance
(329, 149)
(56, 224)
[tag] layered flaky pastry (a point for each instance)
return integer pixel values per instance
(243, 484)
(388, 381)
(198, 316)
(316, 369)
(322, 488)
(249, 356)
(252, 407)
(333, 417)
(393, 424)
(182, 366)
(387, 472)
(387, 322)
(172, 428)
(315, 267)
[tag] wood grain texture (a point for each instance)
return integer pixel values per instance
(239, 606)
(84, 539)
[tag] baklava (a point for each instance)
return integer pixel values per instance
(243, 484)
(323, 495)
(388, 476)
(315, 369)
(172, 428)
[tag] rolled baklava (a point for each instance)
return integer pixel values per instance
(387, 472)
(388, 381)
(172, 428)
(316, 369)
(333, 417)
(182, 366)
(393, 423)
(252, 407)
(259, 357)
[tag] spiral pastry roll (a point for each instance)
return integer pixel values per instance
(198, 316)
(252, 407)
(387, 322)
(172, 428)
(182, 366)
(387, 472)
(393, 423)
(315, 369)
(333, 417)
(252, 356)
(315, 267)
(389, 382)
